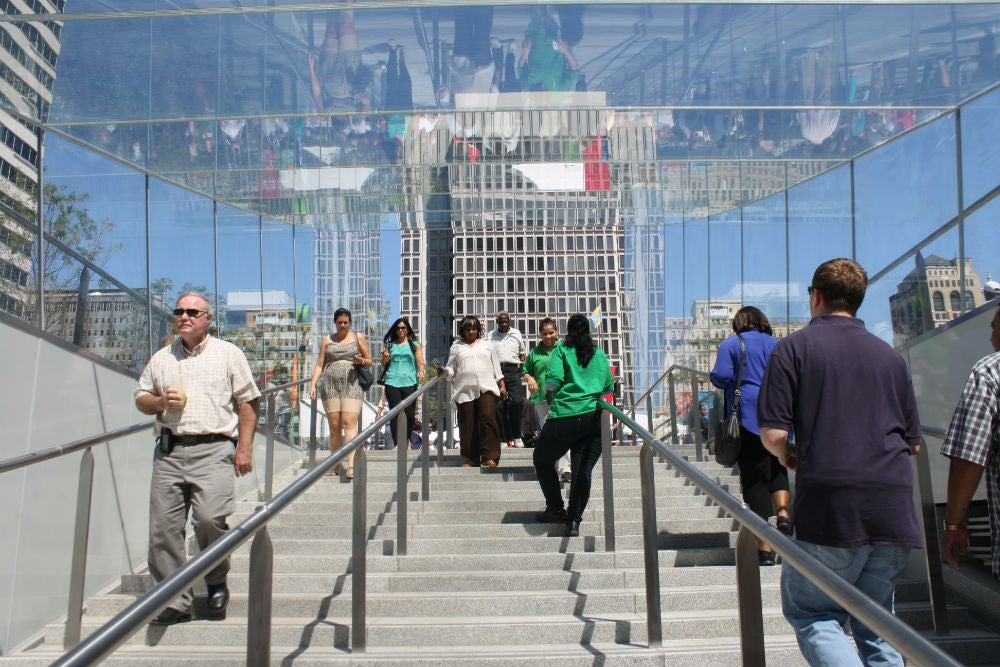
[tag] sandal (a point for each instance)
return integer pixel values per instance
(334, 472)
(350, 473)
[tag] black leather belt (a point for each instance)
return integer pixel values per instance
(200, 439)
(506, 364)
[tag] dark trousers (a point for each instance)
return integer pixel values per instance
(478, 436)
(760, 474)
(509, 411)
(395, 396)
(581, 436)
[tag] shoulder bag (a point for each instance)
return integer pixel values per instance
(727, 431)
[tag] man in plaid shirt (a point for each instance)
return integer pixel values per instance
(973, 444)
(205, 401)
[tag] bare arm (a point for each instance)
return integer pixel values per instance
(963, 478)
(775, 440)
(420, 362)
(317, 90)
(243, 460)
(318, 368)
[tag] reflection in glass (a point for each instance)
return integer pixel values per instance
(980, 162)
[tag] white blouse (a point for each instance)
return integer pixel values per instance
(474, 368)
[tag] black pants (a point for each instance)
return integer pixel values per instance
(395, 396)
(509, 411)
(580, 435)
(760, 474)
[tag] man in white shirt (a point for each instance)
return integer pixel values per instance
(511, 351)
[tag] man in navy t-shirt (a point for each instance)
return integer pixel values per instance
(849, 400)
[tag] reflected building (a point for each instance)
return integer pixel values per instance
(935, 292)
(264, 325)
(524, 212)
(30, 52)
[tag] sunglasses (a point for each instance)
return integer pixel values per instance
(402, 327)
(190, 312)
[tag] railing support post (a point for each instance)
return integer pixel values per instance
(928, 517)
(442, 441)
(259, 599)
(425, 454)
(269, 451)
(78, 563)
(696, 418)
(402, 444)
(607, 473)
(673, 411)
(749, 599)
(359, 553)
(313, 420)
(651, 554)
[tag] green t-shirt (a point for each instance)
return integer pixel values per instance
(576, 388)
(535, 365)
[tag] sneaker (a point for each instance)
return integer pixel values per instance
(566, 477)
(518, 443)
(551, 516)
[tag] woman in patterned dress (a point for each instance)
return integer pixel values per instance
(335, 380)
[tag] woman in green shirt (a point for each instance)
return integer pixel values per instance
(534, 376)
(403, 368)
(577, 375)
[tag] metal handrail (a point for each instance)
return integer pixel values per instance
(112, 634)
(932, 538)
(32, 458)
(904, 638)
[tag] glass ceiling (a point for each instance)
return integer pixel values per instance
(246, 102)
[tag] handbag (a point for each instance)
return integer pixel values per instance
(727, 431)
(365, 377)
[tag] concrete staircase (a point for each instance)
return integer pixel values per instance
(482, 584)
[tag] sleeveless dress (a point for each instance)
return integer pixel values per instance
(340, 378)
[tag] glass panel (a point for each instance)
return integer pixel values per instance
(982, 238)
(904, 192)
(819, 228)
(725, 276)
(765, 273)
(240, 297)
(903, 304)
(181, 248)
(980, 162)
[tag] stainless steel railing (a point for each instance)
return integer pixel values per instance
(106, 639)
(908, 641)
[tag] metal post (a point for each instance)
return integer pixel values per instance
(259, 599)
(673, 410)
(425, 455)
(651, 554)
(928, 517)
(649, 414)
(402, 442)
(695, 417)
(359, 553)
(313, 444)
(78, 563)
(749, 599)
(269, 451)
(442, 440)
(607, 473)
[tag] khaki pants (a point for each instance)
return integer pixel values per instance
(199, 478)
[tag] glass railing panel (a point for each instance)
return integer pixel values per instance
(240, 298)
(915, 296)
(980, 164)
(904, 192)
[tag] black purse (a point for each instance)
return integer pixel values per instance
(727, 431)
(365, 377)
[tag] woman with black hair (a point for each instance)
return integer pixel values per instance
(578, 374)
(764, 481)
(478, 382)
(403, 365)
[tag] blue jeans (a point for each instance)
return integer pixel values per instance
(818, 621)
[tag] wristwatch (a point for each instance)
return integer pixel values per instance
(953, 526)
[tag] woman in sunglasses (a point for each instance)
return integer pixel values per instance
(402, 368)
(336, 375)
(478, 382)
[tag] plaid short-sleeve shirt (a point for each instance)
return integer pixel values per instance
(974, 435)
(215, 376)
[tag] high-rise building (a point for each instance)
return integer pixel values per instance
(27, 72)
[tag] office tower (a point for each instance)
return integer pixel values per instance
(28, 68)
